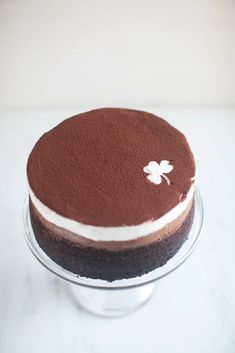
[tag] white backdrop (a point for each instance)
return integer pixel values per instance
(58, 53)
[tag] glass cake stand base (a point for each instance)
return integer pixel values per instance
(120, 297)
(112, 303)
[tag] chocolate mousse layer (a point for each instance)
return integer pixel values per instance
(159, 235)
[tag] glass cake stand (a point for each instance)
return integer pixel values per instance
(120, 297)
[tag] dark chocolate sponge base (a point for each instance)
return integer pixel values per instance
(109, 265)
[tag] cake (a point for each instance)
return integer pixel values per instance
(111, 193)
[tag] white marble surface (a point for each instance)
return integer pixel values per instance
(193, 309)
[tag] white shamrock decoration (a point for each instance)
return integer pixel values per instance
(156, 171)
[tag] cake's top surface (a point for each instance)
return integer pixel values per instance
(111, 167)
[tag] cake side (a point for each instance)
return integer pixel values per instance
(116, 245)
(115, 234)
(91, 262)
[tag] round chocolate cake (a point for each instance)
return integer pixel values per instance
(111, 193)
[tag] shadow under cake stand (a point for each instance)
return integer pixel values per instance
(120, 297)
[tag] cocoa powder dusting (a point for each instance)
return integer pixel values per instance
(90, 167)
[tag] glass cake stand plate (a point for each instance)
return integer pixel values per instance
(120, 297)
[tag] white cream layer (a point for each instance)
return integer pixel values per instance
(122, 233)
